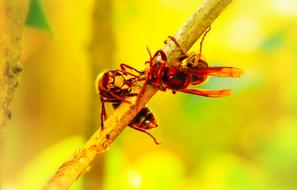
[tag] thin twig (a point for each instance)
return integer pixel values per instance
(189, 33)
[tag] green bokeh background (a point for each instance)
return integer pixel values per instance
(247, 141)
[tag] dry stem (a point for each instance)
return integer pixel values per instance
(188, 34)
(13, 14)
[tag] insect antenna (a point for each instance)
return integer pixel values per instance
(202, 39)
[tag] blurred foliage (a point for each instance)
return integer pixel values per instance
(53, 156)
(36, 16)
(245, 141)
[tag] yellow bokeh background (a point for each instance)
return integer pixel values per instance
(247, 141)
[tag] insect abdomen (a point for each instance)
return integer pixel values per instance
(144, 120)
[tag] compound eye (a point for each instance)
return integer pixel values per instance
(202, 64)
(177, 81)
(190, 65)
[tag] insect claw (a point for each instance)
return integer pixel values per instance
(157, 142)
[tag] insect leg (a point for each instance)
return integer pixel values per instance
(119, 97)
(155, 140)
(127, 73)
(202, 39)
(125, 66)
(140, 94)
(182, 50)
(103, 114)
(149, 52)
(160, 73)
(132, 94)
(162, 54)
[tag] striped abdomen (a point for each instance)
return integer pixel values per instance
(144, 120)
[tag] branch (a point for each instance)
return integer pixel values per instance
(188, 34)
(13, 14)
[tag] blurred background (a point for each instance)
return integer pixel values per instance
(247, 141)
